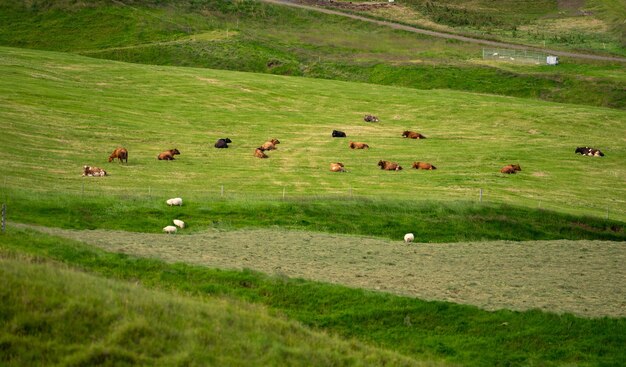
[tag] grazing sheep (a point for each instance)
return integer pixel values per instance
(423, 165)
(175, 202)
(93, 171)
(409, 237)
(358, 145)
(168, 155)
(337, 167)
(179, 223)
(511, 169)
(169, 229)
(121, 154)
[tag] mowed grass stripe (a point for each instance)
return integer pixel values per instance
(553, 276)
(61, 112)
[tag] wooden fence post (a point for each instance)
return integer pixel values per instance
(4, 217)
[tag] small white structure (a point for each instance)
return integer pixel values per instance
(175, 201)
(552, 60)
(409, 237)
(179, 223)
(169, 229)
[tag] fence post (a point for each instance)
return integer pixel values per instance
(4, 217)
(222, 191)
(607, 212)
(283, 193)
(481, 195)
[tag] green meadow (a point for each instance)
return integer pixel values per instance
(283, 262)
(62, 111)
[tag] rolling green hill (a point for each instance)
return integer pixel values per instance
(61, 112)
(257, 37)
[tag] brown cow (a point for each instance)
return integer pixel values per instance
(270, 144)
(120, 153)
(423, 165)
(168, 155)
(389, 166)
(337, 167)
(259, 153)
(358, 145)
(93, 171)
(511, 168)
(413, 135)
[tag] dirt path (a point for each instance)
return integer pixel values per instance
(446, 35)
(586, 278)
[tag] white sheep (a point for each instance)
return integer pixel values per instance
(175, 201)
(409, 237)
(179, 223)
(169, 229)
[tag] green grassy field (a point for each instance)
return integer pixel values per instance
(59, 316)
(437, 332)
(61, 112)
(256, 37)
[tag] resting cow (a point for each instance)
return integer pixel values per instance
(93, 171)
(389, 166)
(413, 135)
(358, 145)
(270, 144)
(168, 155)
(222, 143)
(511, 169)
(337, 167)
(259, 153)
(370, 118)
(338, 134)
(423, 165)
(591, 152)
(121, 154)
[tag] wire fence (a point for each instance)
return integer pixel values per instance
(522, 56)
(90, 190)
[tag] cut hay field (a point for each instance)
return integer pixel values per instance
(60, 112)
(584, 278)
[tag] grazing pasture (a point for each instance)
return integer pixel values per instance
(60, 112)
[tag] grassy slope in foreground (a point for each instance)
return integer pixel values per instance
(60, 112)
(52, 315)
(424, 330)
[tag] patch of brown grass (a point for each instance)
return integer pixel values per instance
(556, 276)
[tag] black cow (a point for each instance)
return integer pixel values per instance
(592, 152)
(222, 143)
(338, 134)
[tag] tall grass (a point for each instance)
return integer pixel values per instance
(423, 330)
(55, 315)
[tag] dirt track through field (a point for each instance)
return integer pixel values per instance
(445, 35)
(586, 278)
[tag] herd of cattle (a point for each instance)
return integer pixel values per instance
(122, 154)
